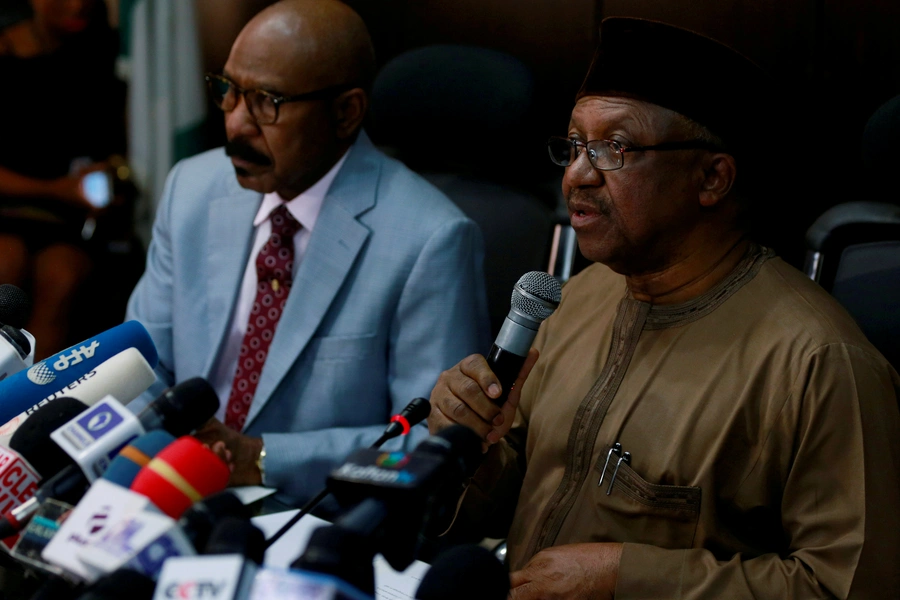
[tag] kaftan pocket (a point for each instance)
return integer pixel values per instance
(644, 512)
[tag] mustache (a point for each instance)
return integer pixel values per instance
(581, 196)
(246, 152)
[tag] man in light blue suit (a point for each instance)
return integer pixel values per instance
(387, 287)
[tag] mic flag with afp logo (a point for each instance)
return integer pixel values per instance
(26, 388)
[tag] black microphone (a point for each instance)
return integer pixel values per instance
(394, 498)
(32, 438)
(466, 571)
(182, 408)
(413, 414)
(122, 583)
(14, 306)
(201, 518)
(16, 349)
(179, 410)
(534, 298)
(233, 535)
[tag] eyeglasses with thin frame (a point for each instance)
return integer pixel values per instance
(262, 105)
(609, 155)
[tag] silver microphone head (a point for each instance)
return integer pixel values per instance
(536, 295)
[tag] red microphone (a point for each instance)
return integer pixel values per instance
(183, 473)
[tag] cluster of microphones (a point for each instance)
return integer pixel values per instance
(103, 503)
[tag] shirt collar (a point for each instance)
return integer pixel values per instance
(305, 207)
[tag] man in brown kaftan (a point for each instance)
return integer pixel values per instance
(702, 421)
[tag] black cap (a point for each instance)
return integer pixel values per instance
(15, 307)
(683, 71)
(32, 438)
(469, 572)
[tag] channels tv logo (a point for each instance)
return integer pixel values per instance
(392, 460)
(40, 374)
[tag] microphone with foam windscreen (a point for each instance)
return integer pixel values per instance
(200, 519)
(101, 432)
(16, 344)
(534, 298)
(26, 388)
(31, 438)
(183, 473)
(466, 571)
(124, 377)
(135, 456)
(31, 458)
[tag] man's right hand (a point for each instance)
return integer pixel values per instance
(463, 396)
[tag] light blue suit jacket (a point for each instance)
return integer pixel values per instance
(389, 294)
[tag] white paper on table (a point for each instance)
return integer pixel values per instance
(248, 494)
(389, 584)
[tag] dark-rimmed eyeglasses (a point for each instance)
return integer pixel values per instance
(609, 155)
(262, 105)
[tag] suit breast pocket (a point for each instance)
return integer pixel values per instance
(343, 347)
(643, 512)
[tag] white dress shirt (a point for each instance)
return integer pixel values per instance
(305, 208)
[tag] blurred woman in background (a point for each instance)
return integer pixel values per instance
(62, 118)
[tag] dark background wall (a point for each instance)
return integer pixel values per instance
(833, 63)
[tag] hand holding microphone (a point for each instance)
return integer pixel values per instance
(483, 393)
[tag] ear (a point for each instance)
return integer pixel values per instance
(719, 172)
(349, 110)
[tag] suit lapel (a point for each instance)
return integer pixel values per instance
(333, 247)
(229, 240)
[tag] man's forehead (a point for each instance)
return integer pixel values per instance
(618, 112)
(261, 69)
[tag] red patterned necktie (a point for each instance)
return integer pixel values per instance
(273, 271)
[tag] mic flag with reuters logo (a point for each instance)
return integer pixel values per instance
(26, 388)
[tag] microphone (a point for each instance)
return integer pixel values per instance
(105, 504)
(16, 344)
(145, 541)
(135, 456)
(119, 583)
(28, 387)
(466, 571)
(92, 440)
(227, 569)
(31, 457)
(199, 520)
(30, 440)
(395, 496)
(183, 473)
(121, 472)
(182, 408)
(18, 482)
(124, 377)
(411, 415)
(534, 298)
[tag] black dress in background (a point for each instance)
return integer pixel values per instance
(56, 108)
